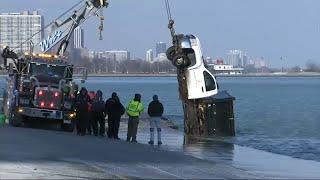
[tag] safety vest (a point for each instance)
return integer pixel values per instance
(135, 108)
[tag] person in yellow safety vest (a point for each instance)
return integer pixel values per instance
(134, 110)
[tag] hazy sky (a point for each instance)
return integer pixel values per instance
(264, 28)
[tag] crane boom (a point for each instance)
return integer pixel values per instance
(62, 30)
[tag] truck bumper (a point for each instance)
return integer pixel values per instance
(44, 113)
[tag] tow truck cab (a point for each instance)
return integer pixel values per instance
(44, 91)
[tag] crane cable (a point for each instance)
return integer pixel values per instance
(171, 21)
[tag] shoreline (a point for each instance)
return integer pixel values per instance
(217, 75)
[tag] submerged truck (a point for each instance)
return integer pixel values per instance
(40, 84)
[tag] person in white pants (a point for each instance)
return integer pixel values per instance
(155, 111)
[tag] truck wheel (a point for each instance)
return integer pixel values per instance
(67, 127)
(171, 53)
(16, 119)
(181, 61)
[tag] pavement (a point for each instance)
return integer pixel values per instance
(27, 153)
(34, 153)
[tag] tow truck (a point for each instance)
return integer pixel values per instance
(40, 83)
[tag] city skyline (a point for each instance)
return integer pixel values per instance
(221, 25)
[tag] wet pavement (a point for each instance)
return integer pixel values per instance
(36, 153)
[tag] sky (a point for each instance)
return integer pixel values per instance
(264, 28)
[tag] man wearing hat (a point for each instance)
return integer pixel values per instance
(155, 111)
(134, 110)
(114, 110)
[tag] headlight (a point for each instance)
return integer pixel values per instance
(72, 115)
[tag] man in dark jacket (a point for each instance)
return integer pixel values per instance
(91, 96)
(98, 113)
(155, 111)
(81, 107)
(114, 110)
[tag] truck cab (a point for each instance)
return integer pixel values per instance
(43, 91)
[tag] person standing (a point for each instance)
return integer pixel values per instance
(98, 112)
(91, 97)
(155, 111)
(81, 107)
(134, 110)
(115, 110)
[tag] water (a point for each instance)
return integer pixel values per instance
(279, 115)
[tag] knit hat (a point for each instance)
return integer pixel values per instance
(137, 97)
(155, 98)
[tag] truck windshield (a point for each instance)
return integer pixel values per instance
(47, 69)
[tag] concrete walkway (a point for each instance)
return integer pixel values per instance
(33, 153)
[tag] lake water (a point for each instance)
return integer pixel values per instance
(276, 114)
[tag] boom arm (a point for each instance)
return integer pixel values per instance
(61, 31)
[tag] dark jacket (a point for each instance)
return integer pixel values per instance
(81, 104)
(155, 109)
(98, 108)
(114, 109)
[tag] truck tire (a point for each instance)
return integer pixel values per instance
(171, 53)
(16, 119)
(181, 61)
(67, 127)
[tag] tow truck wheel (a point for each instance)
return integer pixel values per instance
(67, 127)
(171, 53)
(181, 61)
(16, 119)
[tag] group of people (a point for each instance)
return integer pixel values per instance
(91, 112)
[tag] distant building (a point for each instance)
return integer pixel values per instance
(237, 58)
(161, 47)
(117, 55)
(209, 60)
(78, 38)
(220, 67)
(260, 63)
(17, 28)
(80, 53)
(149, 56)
(225, 69)
(161, 57)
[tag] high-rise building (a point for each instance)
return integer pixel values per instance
(117, 55)
(149, 56)
(161, 57)
(161, 47)
(237, 58)
(16, 29)
(78, 38)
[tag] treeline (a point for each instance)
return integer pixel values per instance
(102, 65)
(312, 66)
